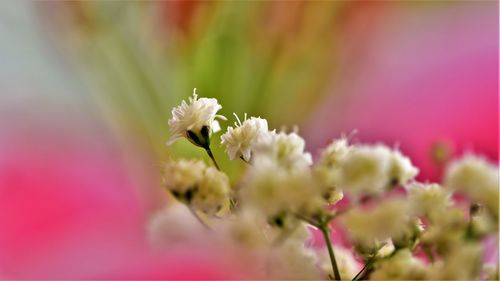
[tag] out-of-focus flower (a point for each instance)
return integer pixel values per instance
(428, 200)
(173, 225)
(195, 120)
(292, 260)
(274, 190)
(402, 170)
(386, 220)
(365, 170)
(204, 188)
(462, 262)
(402, 266)
(240, 140)
(328, 172)
(182, 177)
(212, 193)
(347, 264)
(476, 177)
(287, 150)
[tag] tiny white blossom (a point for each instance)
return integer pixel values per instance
(285, 149)
(383, 221)
(428, 200)
(172, 225)
(402, 170)
(212, 192)
(292, 261)
(462, 262)
(239, 141)
(476, 177)
(273, 189)
(193, 183)
(328, 173)
(194, 120)
(402, 266)
(347, 264)
(365, 169)
(183, 176)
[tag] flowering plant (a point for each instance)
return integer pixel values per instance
(396, 227)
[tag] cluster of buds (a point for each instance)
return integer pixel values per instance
(283, 196)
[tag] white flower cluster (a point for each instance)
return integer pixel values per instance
(282, 195)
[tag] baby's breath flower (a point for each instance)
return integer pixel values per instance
(240, 140)
(285, 149)
(274, 190)
(388, 219)
(428, 200)
(182, 177)
(328, 173)
(372, 169)
(476, 177)
(195, 120)
(402, 170)
(347, 264)
(402, 266)
(212, 193)
(292, 260)
(462, 262)
(204, 188)
(365, 169)
(171, 225)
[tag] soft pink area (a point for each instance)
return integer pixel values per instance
(69, 209)
(418, 76)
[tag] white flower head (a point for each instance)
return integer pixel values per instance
(402, 170)
(287, 150)
(386, 220)
(402, 266)
(204, 188)
(183, 176)
(347, 264)
(195, 120)
(365, 169)
(274, 190)
(428, 200)
(212, 192)
(292, 260)
(172, 225)
(476, 177)
(239, 141)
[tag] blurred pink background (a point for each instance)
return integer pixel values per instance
(74, 199)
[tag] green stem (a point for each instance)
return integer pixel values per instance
(367, 265)
(209, 152)
(326, 235)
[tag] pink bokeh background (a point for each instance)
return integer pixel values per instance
(73, 206)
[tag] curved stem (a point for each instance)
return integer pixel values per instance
(198, 218)
(326, 235)
(367, 265)
(209, 152)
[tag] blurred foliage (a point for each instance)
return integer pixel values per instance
(272, 59)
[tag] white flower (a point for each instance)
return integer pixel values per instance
(292, 261)
(385, 220)
(402, 266)
(171, 225)
(462, 262)
(273, 189)
(183, 176)
(212, 192)
(365, 169)
(204, 188)
(428, 200)
(476, 177)
(240, 140)
(285, 149)
(328, 173)
(402, 170)
(195, 120)
(347, 264)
